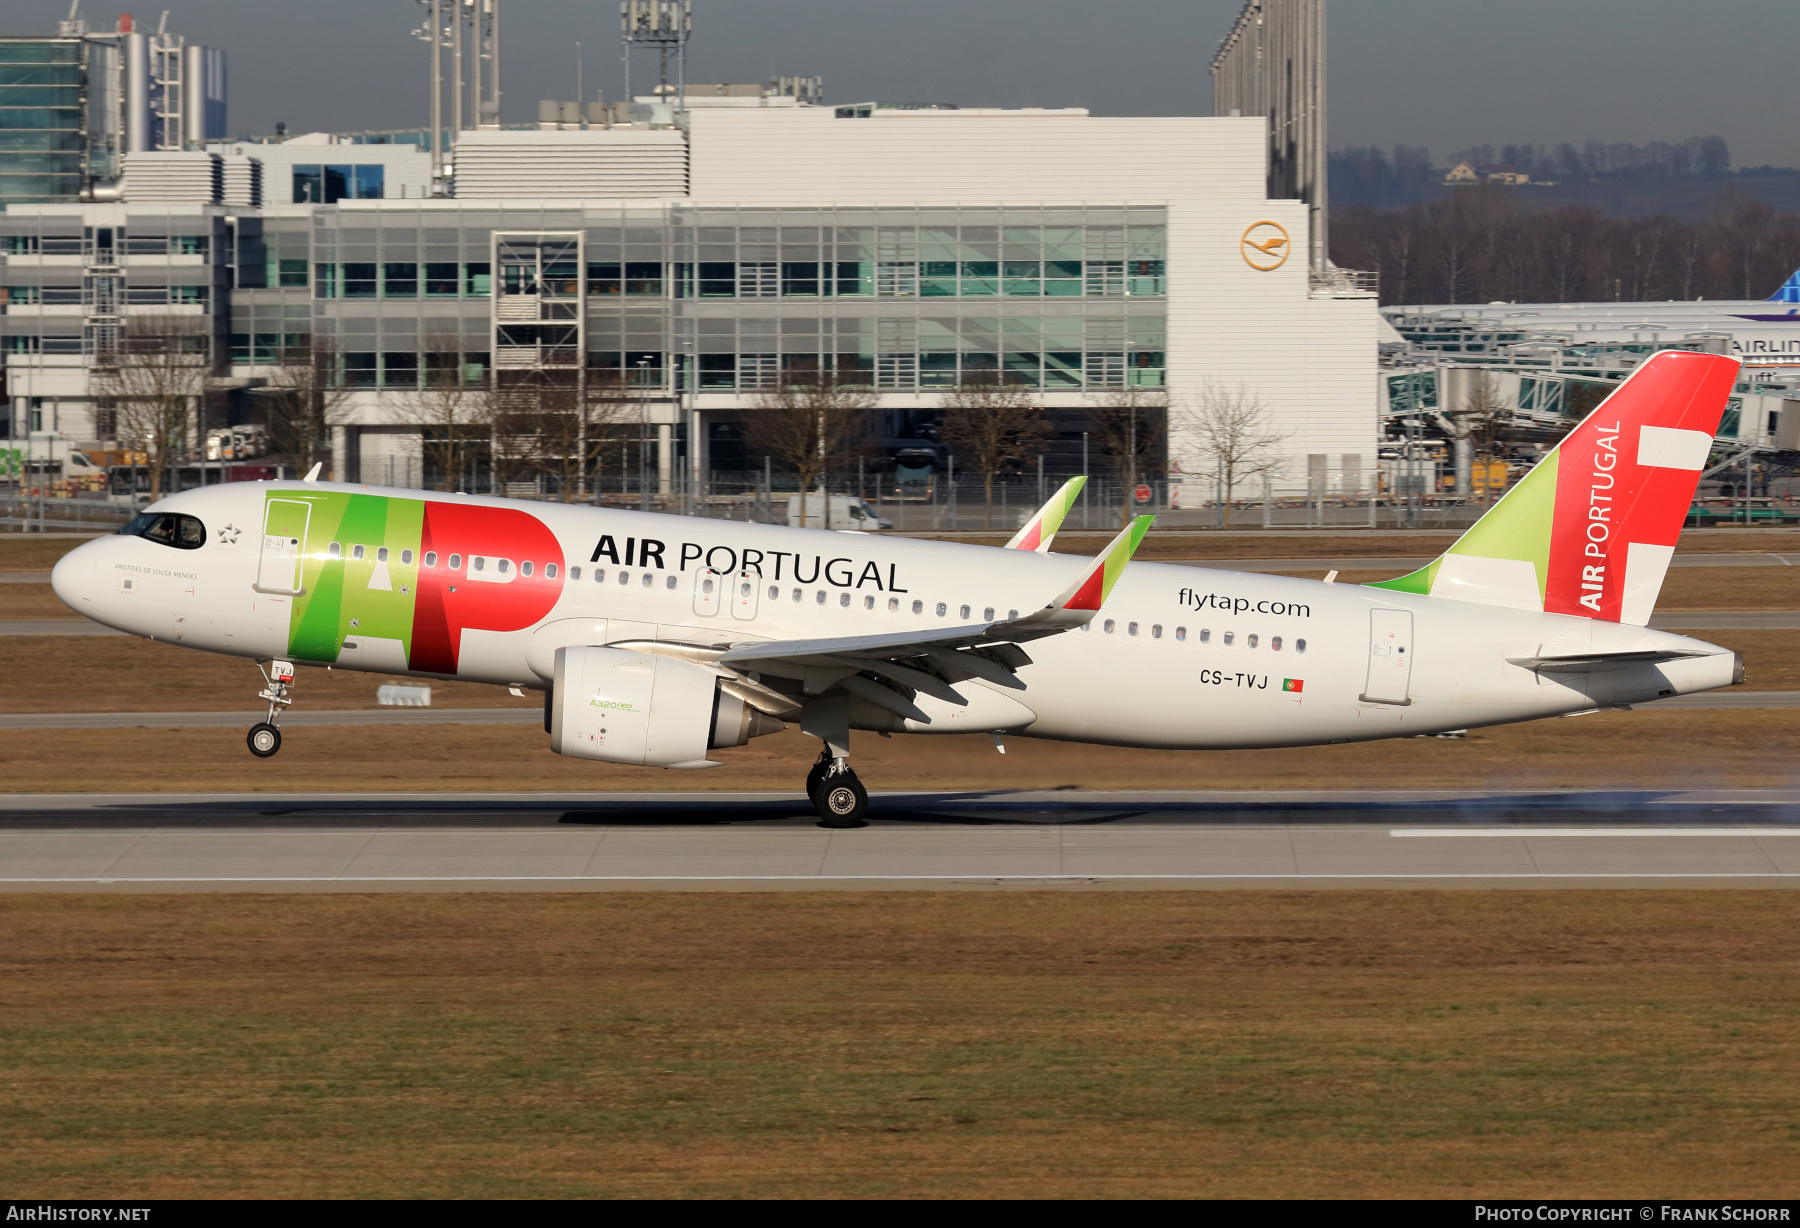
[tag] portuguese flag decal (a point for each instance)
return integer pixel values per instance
(1295, 685)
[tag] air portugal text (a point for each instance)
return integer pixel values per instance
(1600, 525)
(842, 572)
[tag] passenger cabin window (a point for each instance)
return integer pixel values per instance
(356, 552)
(167, 529)
(868, 603)
(1251, 639)
(893, 604)
(820, 597)
(1275, 642)
(965, 612)
(941, 607)
(525, 568)
(1299, 645)
(574, 573)
(406, 558)
(1181, 633)
(918, 607)
(503, 565)
(1230, 636)
(774, 592)
(669, 583)
(649, 579)
(1110, 624)
(1156, 631)
(455, 562)
(381, 553)
(987, 615)
(843, 598)
(550, 571)
(478, 563)
(431, 558)
(1205, 635)
(335, 550)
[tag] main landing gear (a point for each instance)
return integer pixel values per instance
(264, 738)
(836, 793)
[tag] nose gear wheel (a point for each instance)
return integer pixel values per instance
(263, 739)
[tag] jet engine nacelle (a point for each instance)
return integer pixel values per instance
(631, 707)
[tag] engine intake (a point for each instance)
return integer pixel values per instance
(619, 706)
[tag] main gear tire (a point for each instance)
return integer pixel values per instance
(815, 778)
(842, 801)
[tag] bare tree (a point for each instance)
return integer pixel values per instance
(812, 423)
(992, 423)
(155, 377)
(1233, 434)
(304, 399)
(1129, 422)
(451, 411)
(558, 426)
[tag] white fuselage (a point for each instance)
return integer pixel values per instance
(1179, 657)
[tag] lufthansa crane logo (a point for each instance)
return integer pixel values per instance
(1265, 246)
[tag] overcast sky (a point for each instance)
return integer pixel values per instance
(1422, 72)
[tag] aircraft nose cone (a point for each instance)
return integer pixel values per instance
(72, 579)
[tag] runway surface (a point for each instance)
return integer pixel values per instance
(937, 841)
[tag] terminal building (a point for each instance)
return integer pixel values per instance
(691, 255)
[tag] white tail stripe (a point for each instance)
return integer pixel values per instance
(1505, 582)
(1645, 566)
(1664, 447)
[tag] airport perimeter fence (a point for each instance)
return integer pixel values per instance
(1328, 501)
(27, 512)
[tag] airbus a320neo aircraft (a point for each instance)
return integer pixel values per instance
(657, 640)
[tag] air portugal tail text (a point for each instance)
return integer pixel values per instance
(1625, 479)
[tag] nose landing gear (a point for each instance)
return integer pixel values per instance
(264, 739)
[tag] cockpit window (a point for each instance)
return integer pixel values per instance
(168, 529)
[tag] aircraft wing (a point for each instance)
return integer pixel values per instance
(888, 669)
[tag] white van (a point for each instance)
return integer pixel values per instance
(847, 512)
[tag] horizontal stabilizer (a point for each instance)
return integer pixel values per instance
(1588, 660)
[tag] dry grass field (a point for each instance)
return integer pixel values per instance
(920, 1045)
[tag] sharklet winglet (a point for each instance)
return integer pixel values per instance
(1095, 584)
(1037, 532)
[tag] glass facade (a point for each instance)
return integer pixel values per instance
(44, 154)
(727, 300)
(669, 298)
(326, 185)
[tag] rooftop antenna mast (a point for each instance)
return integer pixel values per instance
(453, 27)
(664, 25)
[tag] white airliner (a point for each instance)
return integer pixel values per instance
(658, 639)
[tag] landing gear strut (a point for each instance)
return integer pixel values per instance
(836, 793)
(264, 739)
